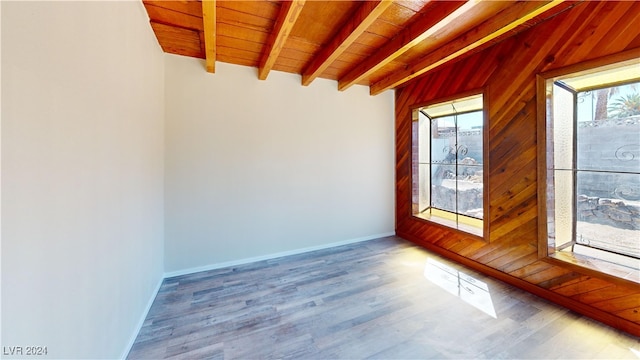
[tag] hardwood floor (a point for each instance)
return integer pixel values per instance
(382, 299)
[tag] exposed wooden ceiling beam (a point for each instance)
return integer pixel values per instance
(209, 20)
(366, 14)
(412, 35)
(289, 12)
(499, 25)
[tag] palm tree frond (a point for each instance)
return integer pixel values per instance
(625, 106)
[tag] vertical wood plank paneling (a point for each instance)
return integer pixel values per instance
(507, 71)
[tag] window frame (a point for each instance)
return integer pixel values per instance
(414, 183)
(547, 251)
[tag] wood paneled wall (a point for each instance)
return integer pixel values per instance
(507, 71)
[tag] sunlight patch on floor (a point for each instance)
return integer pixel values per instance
(467, 288)
(412, 258)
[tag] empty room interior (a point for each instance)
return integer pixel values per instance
(320, 179)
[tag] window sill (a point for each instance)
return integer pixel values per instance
(592, 266)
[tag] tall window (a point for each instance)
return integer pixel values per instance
(592, 165)
(448, 163)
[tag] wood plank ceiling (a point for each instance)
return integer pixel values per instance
(380, 44)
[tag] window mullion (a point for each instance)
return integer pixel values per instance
(456, 148)
(574, 168)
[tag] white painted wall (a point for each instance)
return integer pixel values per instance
(249, 169)
(82, 175)
(254, 167)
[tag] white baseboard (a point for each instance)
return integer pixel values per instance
(143, 317)
(272, 256)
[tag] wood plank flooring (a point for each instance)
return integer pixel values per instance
(380, 299)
